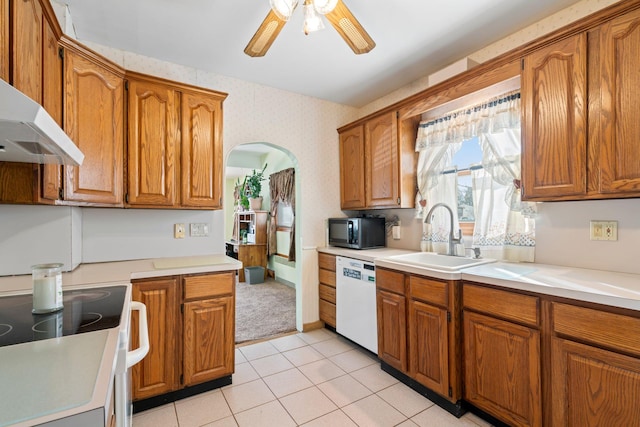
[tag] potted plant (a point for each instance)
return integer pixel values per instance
(240, 195)
(254, 187)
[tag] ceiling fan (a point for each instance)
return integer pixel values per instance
(336, 12)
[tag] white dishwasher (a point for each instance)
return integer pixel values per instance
(356, 316)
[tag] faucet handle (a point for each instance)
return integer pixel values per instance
(476, 252)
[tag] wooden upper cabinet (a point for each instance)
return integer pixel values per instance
(554, 132)
(27, 21)
(201, 149)
(352, 169)
(4, 40)
(154, 140)
(94, 110)
(381, 146)
(620, 106)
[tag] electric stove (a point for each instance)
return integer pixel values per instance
(85, 310)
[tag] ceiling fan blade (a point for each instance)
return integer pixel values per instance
(350, 29)
(266, 34)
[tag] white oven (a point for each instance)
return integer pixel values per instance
(356, 316)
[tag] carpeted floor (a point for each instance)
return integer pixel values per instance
(264, 310)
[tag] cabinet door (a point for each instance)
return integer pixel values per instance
(554, 85)
(158, 372)
(252, 255)
(352, 164)
(94, 110)
(154, 113)
(593, 387)
(392, 329)
(620, 115)
(381, 148)
(201, 151)
(209, 339)
(50, 174)
(428, 346)
(27, 48)
(502, 369)
(4, 40)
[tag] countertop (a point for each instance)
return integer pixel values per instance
(125, 271)
(598, 286)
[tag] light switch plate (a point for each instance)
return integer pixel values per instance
(178, 231)
(603, 230)
(199, 229)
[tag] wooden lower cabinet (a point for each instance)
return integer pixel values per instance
(392, 329)
(252, 255)
(429, 346)
(191, 331)
(159, 371)
(327, 288)
(208, 326)
(502, 369)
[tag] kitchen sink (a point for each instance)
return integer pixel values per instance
(438, 261)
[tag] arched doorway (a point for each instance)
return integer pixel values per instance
(240, 162)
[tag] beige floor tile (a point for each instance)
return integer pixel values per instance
(476, 420)
(405, 400)
(353, 360)
(407, 423)
(201, 409)
(287, 382)
(225, 422)
(317, 335)
(269, 414)
(256, 351)
(332, 419)
(288, 342)
(307, 405)
(344, 390)
(246, 396)
(435, 416)
(373, 411)
(374, 378)
(271, 365)
(243, 374)
(333, 346)
(321, 371)
(239, 357)
(303, 355)
(162, 416)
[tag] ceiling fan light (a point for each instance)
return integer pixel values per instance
(324, 6)
(283, 8)
(312, 22)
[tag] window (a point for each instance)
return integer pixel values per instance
(468, 156)
(284, 224)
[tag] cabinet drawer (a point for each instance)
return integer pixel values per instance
(429, 290)
(504, 304)
(327, 277)
(328, 313)
(209, 285)
(612, 330)
(328, 293)
(326, 261)
(390, 280)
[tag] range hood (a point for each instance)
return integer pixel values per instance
(29, 134)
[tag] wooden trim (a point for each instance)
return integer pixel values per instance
(174, 84)
(82, 50)
(51, 17)
(318, 324)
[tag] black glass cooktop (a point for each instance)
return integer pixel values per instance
(85, 310)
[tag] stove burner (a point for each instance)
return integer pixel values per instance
(87, 296)
(86, 324)
(46, 324)
(7, 329)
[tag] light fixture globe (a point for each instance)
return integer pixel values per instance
(312, 22)
(324, 6)
(283, 8)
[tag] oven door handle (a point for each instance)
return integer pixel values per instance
(135, 356)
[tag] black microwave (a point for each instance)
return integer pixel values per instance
(357, 233)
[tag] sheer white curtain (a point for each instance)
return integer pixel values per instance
(504, 227)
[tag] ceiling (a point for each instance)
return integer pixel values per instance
(414, 38)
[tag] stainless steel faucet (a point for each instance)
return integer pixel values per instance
(452, 239)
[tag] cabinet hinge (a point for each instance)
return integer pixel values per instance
(182, 380)
(449, 316)
(126, 198)
(522, 63)
(182, 308)
(60, 193)
(450, 392)
(397, 114)
(61, 53)
(126, 85)
(398, 201)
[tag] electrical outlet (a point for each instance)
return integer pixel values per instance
(199, 229)
(603, 230)
(178, 231)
